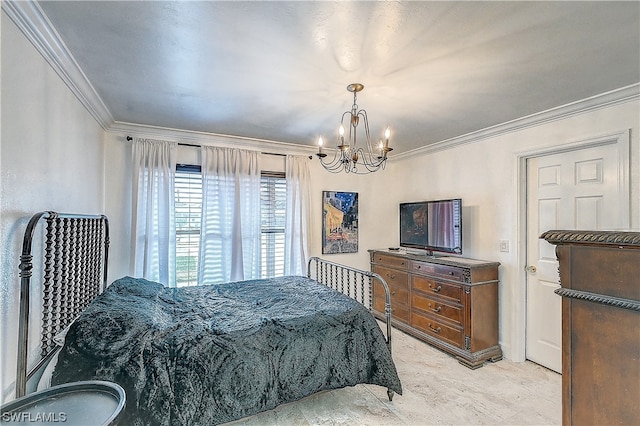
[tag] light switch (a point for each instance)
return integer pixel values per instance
(504, 246)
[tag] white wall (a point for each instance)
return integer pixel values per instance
(485, 175)
(118, 183)
(52, 159)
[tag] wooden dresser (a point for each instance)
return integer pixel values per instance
(448, 302)
(600, 289)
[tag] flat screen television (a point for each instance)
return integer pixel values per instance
(432, 225)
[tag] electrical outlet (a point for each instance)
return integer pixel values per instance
(504, 246)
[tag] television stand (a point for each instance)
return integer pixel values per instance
(449, 302)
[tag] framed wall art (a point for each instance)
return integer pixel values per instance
(339, 222)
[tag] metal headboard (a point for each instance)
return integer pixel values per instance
(76, 251)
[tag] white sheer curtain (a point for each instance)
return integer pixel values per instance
(153, 222)
(230, 227)
(296, 226)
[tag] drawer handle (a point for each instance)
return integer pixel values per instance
(436, 310)
(437, 289)
(391, 276)
(451, 273)
(393, 293)
(435, 330)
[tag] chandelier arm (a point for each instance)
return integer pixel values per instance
(335, 168)
(334, 164)
(369, 169)
(353, 135)
(371, 162)
(363, 114)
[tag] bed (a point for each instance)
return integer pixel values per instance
(197, 355)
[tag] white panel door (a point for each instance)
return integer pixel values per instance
(571, 190)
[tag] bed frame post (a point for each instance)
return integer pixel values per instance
(26, 268)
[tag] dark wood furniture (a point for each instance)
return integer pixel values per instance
(448, 302)
(600, 289)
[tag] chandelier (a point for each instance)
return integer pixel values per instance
(348, 156)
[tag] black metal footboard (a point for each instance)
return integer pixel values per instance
(354, 283)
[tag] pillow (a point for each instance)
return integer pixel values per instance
(45, 379)
(58, 339)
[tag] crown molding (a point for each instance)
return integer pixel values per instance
(622, 95)
(34, 24)
(205, 138)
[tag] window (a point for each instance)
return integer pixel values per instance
(273, 201)
(188, 208)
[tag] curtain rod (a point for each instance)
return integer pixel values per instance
(129, 138)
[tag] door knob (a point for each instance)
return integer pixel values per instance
(531, 268)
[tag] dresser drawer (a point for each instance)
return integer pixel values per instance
(391, 260)
(444, 332)
(444, 290)
(399, 311)
(398, 293)
(449, 272)
(393, 277)
(438, 308)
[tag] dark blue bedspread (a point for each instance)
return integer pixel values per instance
(212, 354)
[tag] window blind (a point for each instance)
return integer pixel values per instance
(273, 196)
(188, 211)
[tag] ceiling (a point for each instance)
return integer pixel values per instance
(278, 71)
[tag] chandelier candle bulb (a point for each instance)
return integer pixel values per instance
(320, 143)
(342, 145)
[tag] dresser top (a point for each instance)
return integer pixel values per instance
(456, 261)
(613, 238)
